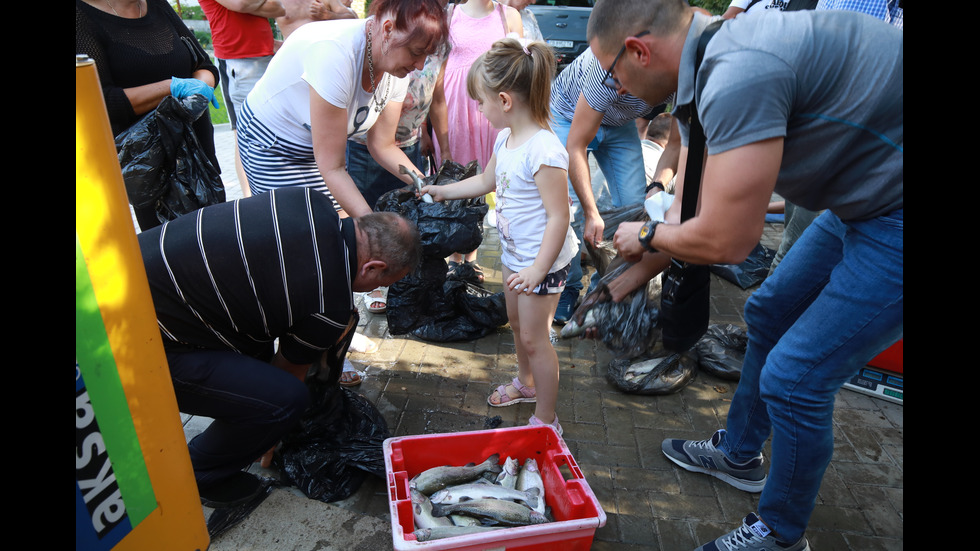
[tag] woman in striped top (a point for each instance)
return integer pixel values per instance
(329, 81)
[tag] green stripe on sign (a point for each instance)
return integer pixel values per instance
(98, 367)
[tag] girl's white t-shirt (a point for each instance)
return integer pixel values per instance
(329, 57)
(521, 217)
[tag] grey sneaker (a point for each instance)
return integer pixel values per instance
(702, 456)
(753, 535)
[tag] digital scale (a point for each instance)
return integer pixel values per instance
(878, 383)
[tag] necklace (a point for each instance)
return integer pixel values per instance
(138, 3)
(378, 106)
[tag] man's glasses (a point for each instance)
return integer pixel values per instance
(610, 80)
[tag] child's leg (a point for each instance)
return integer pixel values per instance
(533, 339)
(524, 375)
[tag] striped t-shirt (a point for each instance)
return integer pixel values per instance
(238, 275)
(584, 76)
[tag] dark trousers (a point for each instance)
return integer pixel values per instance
(253, 405)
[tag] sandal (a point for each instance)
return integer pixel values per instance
(505, 399)
(350, 376)
(378, 301)
(477, 270)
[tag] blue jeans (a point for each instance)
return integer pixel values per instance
(835, 302)
(252, 402)
(618, 153)
(372, 179)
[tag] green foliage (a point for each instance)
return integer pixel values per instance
(194, 13)
(220, 115)
(716, 7)
(204, 38)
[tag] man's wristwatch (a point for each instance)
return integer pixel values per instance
(646, 235)
(652, 185)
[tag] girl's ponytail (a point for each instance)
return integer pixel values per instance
(517, 67)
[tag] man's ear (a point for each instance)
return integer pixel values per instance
(373, 268)
(638, 48)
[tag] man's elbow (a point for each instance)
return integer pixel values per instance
(730, 252)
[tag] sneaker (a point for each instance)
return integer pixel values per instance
(566, 306)
(535, 422)
(704, 457)
(753, 535)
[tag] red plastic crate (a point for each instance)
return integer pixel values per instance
(892, 359)
(574, 506)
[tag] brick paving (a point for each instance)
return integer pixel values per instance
(424, 388)
(615, 437)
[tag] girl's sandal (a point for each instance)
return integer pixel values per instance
(504, 399)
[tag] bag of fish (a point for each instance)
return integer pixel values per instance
(456, 501)
(659, 373)
(430, 303)
(721, 351)
(629, 327)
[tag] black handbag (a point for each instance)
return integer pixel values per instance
(685, 299)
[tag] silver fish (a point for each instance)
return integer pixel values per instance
(508, 477)
(440, 532)
(463, 492)
(640, 369)
(529, 480)
(492, 511)
(418, 182)
(432, 480)
(422, 511)
(463, 520)
(573, 329)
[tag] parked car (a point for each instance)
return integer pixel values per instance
(563, 24)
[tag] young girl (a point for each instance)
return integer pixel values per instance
(528, 170)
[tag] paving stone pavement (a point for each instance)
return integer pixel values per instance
(424, 388)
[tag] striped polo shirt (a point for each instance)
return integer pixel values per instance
(238, 275)
(584, 76)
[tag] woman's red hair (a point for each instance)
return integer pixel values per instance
(422, 21)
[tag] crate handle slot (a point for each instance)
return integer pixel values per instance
(572, 466)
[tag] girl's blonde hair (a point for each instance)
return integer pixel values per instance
(511, 67)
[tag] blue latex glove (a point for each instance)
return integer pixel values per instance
(180, 88)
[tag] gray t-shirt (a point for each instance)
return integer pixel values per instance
(830, 83)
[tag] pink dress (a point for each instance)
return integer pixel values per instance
(471, 136)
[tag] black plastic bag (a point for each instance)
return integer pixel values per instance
(474, 313)
(430, 303)
(163, 163)
(665, 373)
(446, 227)
(752, 271)
(628, 328)
(339, 442)
(722, 350)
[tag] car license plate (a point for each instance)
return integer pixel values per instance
(561, 43)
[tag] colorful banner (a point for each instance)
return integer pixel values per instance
(134, 485)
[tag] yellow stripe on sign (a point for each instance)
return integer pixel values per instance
(107, 241)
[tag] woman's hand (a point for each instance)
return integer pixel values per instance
(181, 88)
